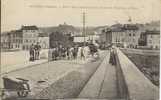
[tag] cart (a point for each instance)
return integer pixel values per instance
(18, 85)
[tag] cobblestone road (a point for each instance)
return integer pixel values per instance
(47, 72)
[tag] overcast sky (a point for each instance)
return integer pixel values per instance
(98, 12)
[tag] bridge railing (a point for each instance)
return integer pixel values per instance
(141, 52)
(132, 84)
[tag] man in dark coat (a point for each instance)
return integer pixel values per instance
(112, 57)
(37, 51)
(75, 52)
(32, 53)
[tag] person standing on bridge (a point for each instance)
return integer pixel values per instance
(37, 51)
(32, 53)
(82, 53)
(112, 59)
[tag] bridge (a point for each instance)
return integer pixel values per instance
(101, 80)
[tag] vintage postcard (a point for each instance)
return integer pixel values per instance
(80, 50)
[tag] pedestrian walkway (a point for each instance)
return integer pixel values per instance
(7, 69)
(102, 84)
(109, 88)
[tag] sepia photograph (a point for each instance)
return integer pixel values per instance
(80, 50)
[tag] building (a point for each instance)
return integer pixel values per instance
(153, 39)
(106, 36)
(15, 39)
(5, 41)
(142, 40)
(81, 39)
(131, 35)
(24, 38)
(126, 35)
(30, 36)
(118, 36)
(43, 40)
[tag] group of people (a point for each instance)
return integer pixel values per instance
(72, 52)
(34, 52)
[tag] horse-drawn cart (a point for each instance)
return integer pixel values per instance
(18, 85)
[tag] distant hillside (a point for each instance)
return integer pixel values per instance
(61, 28)
(154, 25)
(65, 28)
(69, 28)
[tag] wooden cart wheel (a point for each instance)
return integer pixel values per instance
(22, 93)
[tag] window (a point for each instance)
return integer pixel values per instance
(118, 40)
(130, 34)
(11, 46)
(151, 46)
(150, 41)
(23, 47)
(134, 34)
(27, 47)
(156, 47)
(151, 36)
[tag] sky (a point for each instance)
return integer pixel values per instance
(43, 13)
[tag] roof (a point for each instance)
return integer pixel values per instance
(117, 30)
(130, 27)
(43, 35)
(16, 31)
(29, 28)
(152, 32)
(117, 25)
(121, 28)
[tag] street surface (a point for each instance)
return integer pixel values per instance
(15, 58)
(11, 61)
(42, 75)
(47, 72)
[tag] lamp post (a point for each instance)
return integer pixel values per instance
(84, 31)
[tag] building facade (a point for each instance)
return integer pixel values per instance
(106, 36)
(30, 36)
(153, 39)
(15, 39)
(118, 36)
(43, 40)
(126, 35)
(142, 40)
(132, 35)
(81, 39)
(5, 41)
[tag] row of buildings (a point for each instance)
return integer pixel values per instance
(126, 35)
(130, 36)
(23, 38)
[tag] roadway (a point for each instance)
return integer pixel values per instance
(50, 72)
